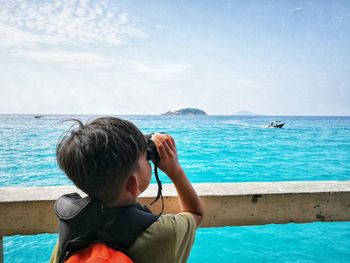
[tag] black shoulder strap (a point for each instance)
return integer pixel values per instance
(70, 205)
(84, 220)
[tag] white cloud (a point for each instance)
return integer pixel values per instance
(89, 60)
(52, 32)
(65, 22)
(246, 83)
(75, 60)
(296, 9)
(12, 37)
(117, 91)
(161, 69)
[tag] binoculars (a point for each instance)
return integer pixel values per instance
(151, 149)
(153, 155)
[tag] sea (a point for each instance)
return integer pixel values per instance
(211, 149)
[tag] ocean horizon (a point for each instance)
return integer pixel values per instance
(189, 115)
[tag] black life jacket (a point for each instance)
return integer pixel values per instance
(83, 221)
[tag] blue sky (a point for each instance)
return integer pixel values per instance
(148, 57)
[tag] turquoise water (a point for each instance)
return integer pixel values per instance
(211, 149)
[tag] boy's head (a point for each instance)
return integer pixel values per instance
(99, 155)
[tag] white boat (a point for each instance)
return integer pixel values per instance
(276, 124)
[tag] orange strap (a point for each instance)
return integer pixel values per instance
(98, 253)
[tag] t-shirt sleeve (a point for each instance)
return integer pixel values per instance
(184, 232)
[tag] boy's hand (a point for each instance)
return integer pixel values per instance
(168, 163)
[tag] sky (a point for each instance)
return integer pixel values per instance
(148, 57)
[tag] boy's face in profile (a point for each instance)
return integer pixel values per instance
(144, 173)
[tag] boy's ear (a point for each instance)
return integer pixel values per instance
(132, 185)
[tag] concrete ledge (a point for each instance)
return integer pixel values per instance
(30, 210)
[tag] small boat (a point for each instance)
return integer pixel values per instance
(38, 116)
(276, 124)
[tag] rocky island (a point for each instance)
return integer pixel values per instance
(186, 111)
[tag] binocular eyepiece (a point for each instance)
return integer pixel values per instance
(151, 149)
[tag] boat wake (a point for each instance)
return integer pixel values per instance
(244, 124)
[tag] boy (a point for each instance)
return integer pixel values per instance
(106, 158)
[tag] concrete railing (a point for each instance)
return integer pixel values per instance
(27, 211)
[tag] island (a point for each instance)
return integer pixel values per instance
(186, 111)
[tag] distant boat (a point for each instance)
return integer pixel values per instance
(276, 124)
(38, 116)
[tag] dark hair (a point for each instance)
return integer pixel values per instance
(99, 155)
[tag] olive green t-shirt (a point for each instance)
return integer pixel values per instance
(168, 240)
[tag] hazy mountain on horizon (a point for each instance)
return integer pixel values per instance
(245, 112)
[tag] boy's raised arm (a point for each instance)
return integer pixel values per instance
(169, 164)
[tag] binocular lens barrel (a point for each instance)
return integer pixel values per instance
(151, 149)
